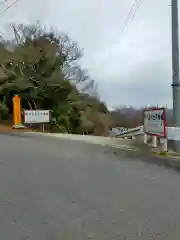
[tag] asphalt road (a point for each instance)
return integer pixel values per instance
(54, 189)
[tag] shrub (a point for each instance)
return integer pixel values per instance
(66, 118)
(3, 111)
(63, 123)
(74, 119)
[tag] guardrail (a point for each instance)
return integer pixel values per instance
(173, 133)
(131, 132)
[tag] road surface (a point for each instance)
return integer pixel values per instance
(53, 189)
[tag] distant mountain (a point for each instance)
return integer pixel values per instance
(135, 113)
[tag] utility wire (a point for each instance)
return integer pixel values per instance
(7, 8)
(13, 3)
(130, 17)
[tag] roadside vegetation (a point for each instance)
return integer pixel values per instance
(42, 66)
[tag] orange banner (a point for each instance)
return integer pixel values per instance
(17, 110)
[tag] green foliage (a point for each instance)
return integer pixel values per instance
(94, 103)
(60, 109)
(67, 117)
(3, 111)
(74, 118)
(102, 108)
(63, 123)
(35, 65)
(41, 67)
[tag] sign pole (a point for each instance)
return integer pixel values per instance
(175, 68)
(40, 117)
(43, 127)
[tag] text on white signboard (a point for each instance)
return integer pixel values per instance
(36, 116)
(155, 122)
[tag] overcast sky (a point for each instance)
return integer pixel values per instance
(134, 69)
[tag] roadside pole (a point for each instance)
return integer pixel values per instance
(175, 68)
(17, 118)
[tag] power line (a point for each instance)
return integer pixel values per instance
(130, 17)
(132, 12)
(8, 7)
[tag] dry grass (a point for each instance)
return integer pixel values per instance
(7, 126)
(96, 123)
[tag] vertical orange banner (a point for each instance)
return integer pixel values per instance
(17, 110)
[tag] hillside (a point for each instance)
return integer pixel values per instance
(42, 68)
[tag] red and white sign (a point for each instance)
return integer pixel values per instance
(155, 122)
(37, 116)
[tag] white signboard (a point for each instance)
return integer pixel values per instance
(37, 116)
(155, 122)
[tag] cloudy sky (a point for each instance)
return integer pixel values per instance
(133, 68)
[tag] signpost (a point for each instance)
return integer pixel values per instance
(37, 116)
(155, 122)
